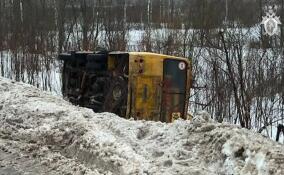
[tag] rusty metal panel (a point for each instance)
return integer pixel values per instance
(146, 81)
(147, 98)
(174, 89)
(145, 84)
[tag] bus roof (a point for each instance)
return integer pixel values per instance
(157, 55)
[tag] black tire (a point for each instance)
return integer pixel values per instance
(116, 97)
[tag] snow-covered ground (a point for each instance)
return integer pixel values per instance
(43, 134)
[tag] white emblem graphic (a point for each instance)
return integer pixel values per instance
(271, 22)
(181, 65)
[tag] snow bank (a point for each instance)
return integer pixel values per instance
(43, 134)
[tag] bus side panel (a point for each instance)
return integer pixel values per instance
(145, 84)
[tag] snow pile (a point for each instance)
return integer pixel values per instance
(43, 134)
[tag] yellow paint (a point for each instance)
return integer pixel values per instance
(175, 116)
(145, 85)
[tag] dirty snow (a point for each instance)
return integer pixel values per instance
(43, 134)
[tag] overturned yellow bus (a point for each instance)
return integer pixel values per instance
(139, 85)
